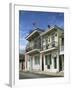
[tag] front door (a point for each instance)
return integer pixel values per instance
(48, 61)
(42, 64)
(61, 62)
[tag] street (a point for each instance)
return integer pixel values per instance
(31, 75)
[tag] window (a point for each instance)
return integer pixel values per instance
(50, 58)
(55, 34)
(62, 41)
(49, 39)
(47, 46)
(48, 61)
(53, 45)
(37, 60)
(55, 62)
(53, 37)
(46, 41)
(43, 41)
(44, 47)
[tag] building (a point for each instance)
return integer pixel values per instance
(21, 62)
(45, 50)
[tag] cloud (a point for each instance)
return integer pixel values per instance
(22, 42)
(22, 47)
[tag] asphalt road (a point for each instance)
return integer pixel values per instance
(30, 75)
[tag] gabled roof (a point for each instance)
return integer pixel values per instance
(51, 29)
(35, 31)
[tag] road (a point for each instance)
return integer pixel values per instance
(30, 75)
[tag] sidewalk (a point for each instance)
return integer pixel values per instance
(58, 74)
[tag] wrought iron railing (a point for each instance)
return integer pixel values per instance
(33, 47)
(44, 47)
(50, 45)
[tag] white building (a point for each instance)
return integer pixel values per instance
(45, 50)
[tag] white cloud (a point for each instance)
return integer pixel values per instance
(23, 43)
(22, 47)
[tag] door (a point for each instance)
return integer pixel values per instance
(55, 62)
(48, 61)
(42, 64)
(60, 63)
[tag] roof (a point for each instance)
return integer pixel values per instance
(37, 30)
(50, 29)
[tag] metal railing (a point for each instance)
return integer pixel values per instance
(50, 45)
(44, 47)
(35, 46)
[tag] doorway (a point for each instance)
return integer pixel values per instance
(61, 62)
(42, 64)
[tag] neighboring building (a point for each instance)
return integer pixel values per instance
(21, 62)
(45, 50)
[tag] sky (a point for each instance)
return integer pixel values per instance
(41, 20)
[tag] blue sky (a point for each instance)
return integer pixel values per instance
(42, 20)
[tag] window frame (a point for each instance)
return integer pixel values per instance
(37, 60)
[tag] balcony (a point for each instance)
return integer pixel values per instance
(35, 46)
(51, 46)
(34, 49)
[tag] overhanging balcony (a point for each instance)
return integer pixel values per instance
(49, 47)
(32, 50)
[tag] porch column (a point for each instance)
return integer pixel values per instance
(57, 61)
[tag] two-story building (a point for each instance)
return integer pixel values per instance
(45, 50)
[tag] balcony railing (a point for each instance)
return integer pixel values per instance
(44, 47)
(50, 45)
(33, 47)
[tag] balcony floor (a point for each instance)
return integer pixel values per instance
(47, 50)
(34, 51)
